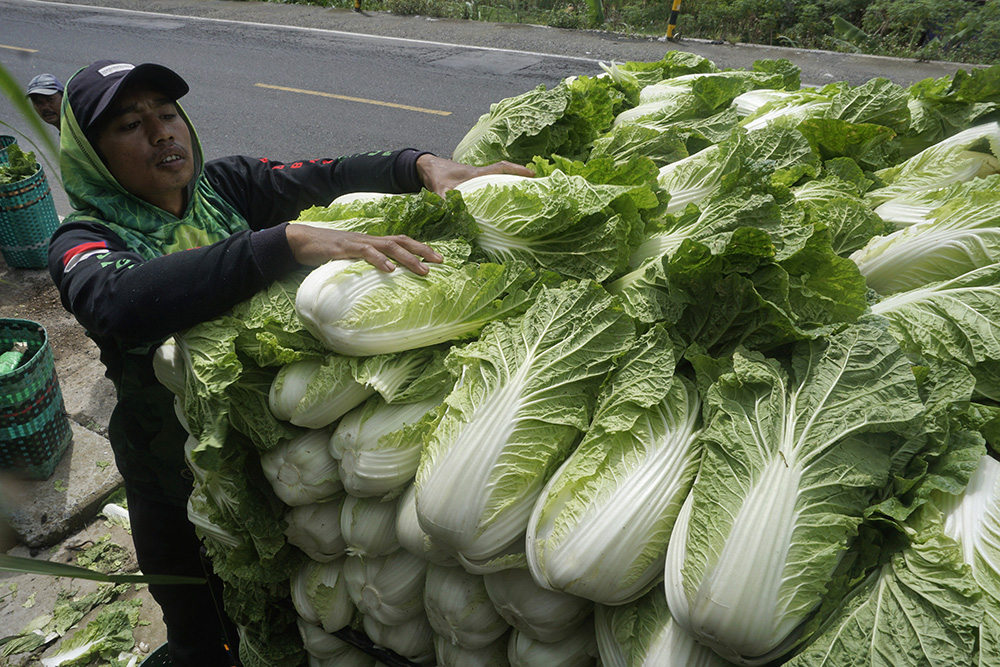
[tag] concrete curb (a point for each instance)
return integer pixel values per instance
(44, 512)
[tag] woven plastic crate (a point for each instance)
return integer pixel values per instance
(5, 141)
(27, 219)
(34, 428)
(158, 658)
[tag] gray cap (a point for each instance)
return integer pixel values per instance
(44, 84)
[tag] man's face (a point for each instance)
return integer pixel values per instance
(47, 107)
(146, 146)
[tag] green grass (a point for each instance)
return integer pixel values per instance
(966, 31)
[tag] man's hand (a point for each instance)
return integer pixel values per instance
(313, 246)
(440, 175)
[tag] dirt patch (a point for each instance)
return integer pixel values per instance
(24, 597)
(29, 294)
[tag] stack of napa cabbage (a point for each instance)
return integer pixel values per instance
(718, 386)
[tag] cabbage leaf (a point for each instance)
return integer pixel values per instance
(357, 310)
(601, 526)
(524, 394)
(793, 458)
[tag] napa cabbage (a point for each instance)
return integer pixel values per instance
(642, 633)
(524, 394)
(327, 650)
(577, 650)
(411, 536)
(459, 608)
(839, 205)
(920, 206)
(320, 596)
(632, 141)
(698, 95)
(369, 526)
(423, 215)
(933, 600)
(560, 222)
(941, 107)
(970, 154)
(778, 153)
(378, 444)
(240, 518)
(491, 655)
(713, 224)
(105, 637)
(536, 612)
(794, 454)
(694, 178)
(412, 639)
(972, 519)
(301, 470)
(737, 292)
(631, 77)
(389, 588)
(960, 236)
(317, 391)
(795, 106)
(560, 120)
(170, 367)
(314, 393)
(600, 528)
(954, 319)
(315, 529)
(357, 310)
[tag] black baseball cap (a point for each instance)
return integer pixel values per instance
(94, 88)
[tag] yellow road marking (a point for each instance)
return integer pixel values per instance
(354, 99)
(18, 48)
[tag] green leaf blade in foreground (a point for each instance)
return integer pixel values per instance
(523, 396)
(791, 463)
(10, 563)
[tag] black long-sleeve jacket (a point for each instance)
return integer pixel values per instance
(129, 302)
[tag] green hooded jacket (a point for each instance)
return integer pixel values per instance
(118, 264)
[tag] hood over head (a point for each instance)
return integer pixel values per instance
(94, 192)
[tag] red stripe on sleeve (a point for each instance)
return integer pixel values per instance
(83, 247)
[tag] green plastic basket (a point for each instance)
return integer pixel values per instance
(34, 428)
(5, 141)
(27, 219)
(158, 658)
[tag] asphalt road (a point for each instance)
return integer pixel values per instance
(291, 81)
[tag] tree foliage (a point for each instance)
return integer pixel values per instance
(966, 31)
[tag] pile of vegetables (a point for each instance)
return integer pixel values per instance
(718, 386)
(18, 164)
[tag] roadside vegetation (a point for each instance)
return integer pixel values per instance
(965, 31)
